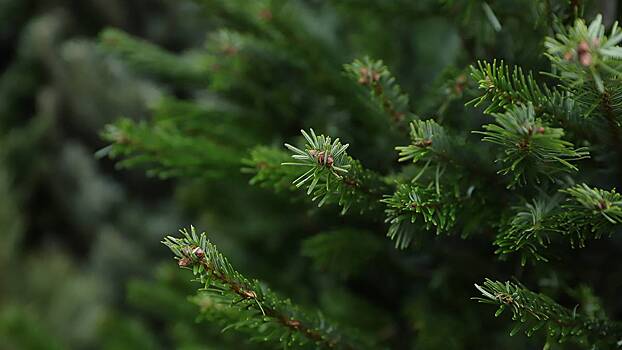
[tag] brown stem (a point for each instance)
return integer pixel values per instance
(291, 323)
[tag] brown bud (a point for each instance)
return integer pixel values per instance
(330, 161)
(583, 47)
(568, 55)
(249, 294)
(585, 59)
(292, 323)
(540, 130)
(198, 252)
(376, 76)
(184, 262)
(505, 298)
(602, 205)
(363, 80)
(523, 144)
(322, 159)
(423, 143)
(583, 52)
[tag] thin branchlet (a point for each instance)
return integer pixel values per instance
(290, 324)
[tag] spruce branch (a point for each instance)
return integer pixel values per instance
(581, 53)
(432, 144)
(187, 67)
(265, 164)
(332, 175)
(531, 148)
(167, 151)
(383, 88)
(533, 312)
(410, 203)
(268, 316)
(429, 139)
(529, 230)
(504, 87)
(585, 213)
(592, 207)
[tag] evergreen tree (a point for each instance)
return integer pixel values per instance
(520, 166)
(370, 174)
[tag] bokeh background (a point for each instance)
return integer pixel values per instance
(81, 264)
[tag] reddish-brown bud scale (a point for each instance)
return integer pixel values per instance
(568, 55)
(583, 52)
(249, 294)
(330, 161)
(198, 252)
(184, 262)
(423, 143)
(585, 59)
(292, 323)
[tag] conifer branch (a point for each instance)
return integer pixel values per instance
(150, 58)
(505, 87)
(581, 53)
(265, 163)
(383, 88)
(435, 207)
(586, 213)
(429, 140)
(167, 151)
(332, 175)
(432, 144)
(269, 316)
(533, 312)
(531, 149)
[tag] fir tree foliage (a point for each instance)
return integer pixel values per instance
(150, 58)
(382, 86)
(270, 317)
(505, 86)
(517, 186)
(264, 163)
(533, 312)
(411, 203)
(531, 148)
(333, 175)
(429, 139)
(586, 213)
(582, 49)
